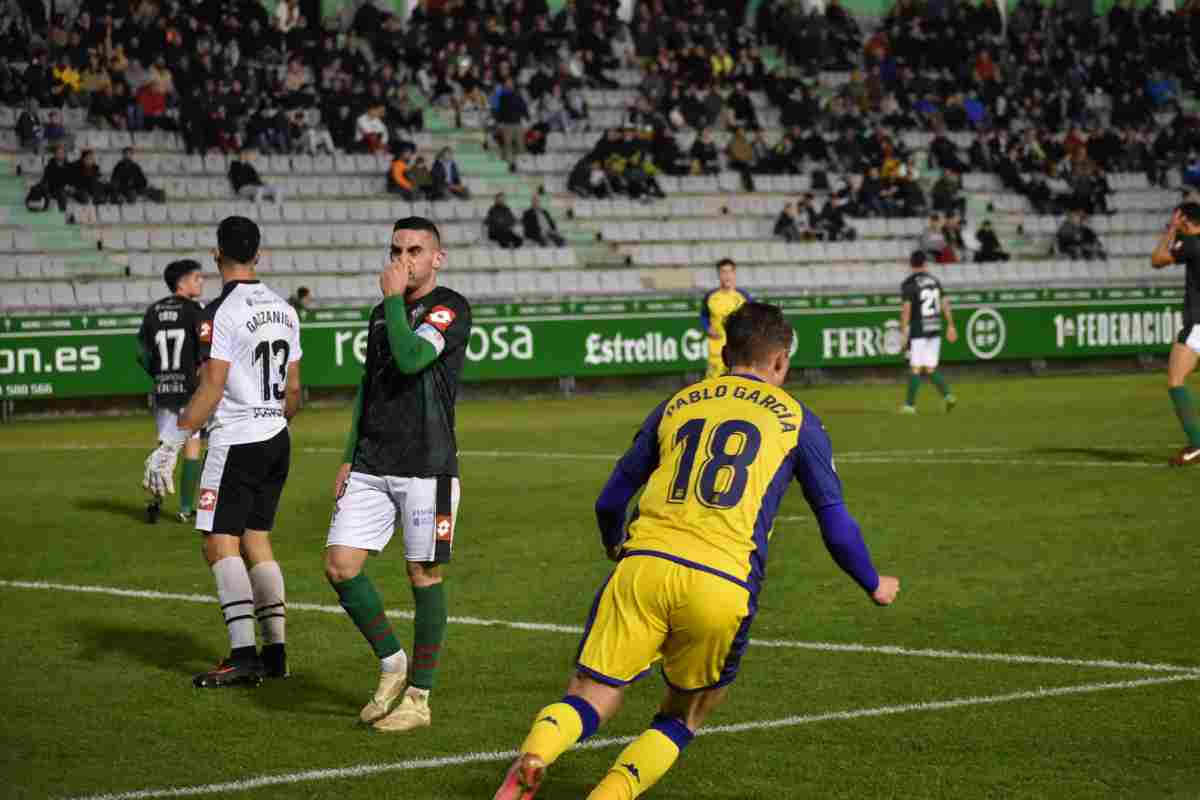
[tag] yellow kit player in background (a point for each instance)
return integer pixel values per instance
(715, 459)
(715, 309)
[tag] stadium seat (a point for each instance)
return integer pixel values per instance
(525, 282)
(320, 236)
(506, 284)
(304, 262)
(140, 239)
(62, 295)
(326, 261)
(112, 293)
(143, 292)
(297, 235)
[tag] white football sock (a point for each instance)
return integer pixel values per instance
(237, 600)
(269, 606)
(396, 662)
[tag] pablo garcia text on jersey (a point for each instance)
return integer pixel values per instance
(754, 396)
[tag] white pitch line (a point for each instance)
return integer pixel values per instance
(829, 647)
(908, 457)
(366, 770)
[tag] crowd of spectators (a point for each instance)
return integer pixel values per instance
(82, 181)
(537, 225)
(627, 162)
(1051, 94)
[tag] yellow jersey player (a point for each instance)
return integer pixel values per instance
(716, 308)
(715, 460)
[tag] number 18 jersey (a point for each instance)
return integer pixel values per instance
(722, 453)
(258, 333)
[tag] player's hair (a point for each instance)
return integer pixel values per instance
(725, 261)
(1191, 212)
(177, 270)
(238, 239)
(418, 224)
(754, 333)
(917, 259)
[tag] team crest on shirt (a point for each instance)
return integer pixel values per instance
(206, 331)
(441, 318)
(208, 500)
(444, 528)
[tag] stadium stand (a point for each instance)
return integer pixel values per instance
(864, 114)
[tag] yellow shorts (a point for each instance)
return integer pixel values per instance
(653, 608)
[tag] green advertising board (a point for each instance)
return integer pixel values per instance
(89, 355)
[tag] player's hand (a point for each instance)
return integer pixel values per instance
(885, 593)
(159, 477)
(394, 279)
(339, 483)
(952, 334)
(614, 552)
(1176, 220)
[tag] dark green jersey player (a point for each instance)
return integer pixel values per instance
(923, 307)
(400, 467)
(168, 349)
(1180, 244)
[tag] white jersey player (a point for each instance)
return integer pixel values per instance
(249, 387)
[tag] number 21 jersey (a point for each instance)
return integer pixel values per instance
(925, 293)
(258, 333)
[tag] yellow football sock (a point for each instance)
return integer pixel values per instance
(558, 726)
(639, 767)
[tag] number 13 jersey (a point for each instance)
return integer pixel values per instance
(723, 453)
(258, 333)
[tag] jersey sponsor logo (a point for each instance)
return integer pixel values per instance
(207, 500)
(206, 331)
(444, 528)
(440, 317)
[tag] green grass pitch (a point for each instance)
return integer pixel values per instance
(1038, 519)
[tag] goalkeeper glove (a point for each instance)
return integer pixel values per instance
(159, 477)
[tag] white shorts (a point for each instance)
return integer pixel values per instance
(924, 351)
(1190, 338)
(166, 422)
(366, 514)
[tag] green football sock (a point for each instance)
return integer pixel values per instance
(914, 383)
(940, 382)
(430, 632)
(362, 603)
(187, 485)
(1185, 409)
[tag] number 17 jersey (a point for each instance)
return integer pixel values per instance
(258, 333)
(723, 452)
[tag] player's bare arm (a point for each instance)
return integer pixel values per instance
(1161, 256)
(951, 331)
(905, 319)
(291, 401)
(213, 376)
